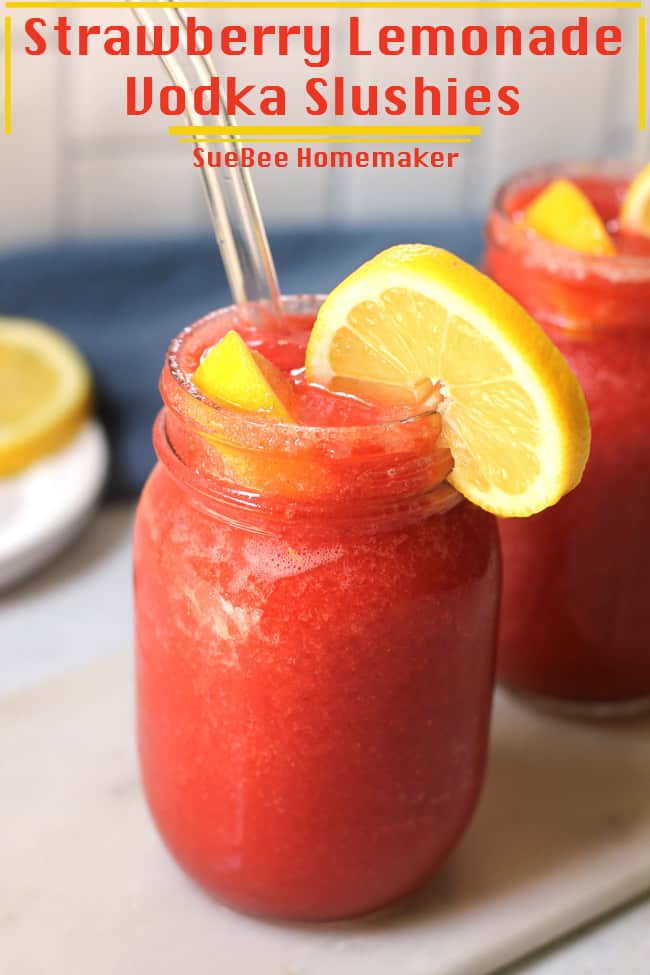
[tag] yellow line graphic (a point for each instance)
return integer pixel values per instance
(642, 74)
(225, 140)
(407, 131)
(336, 4)
(7, 75)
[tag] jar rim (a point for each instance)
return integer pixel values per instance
(254, 423)
(247, 508)
(287, 466)
(618, 268)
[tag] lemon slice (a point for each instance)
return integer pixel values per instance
(233, 373)
(45, 391)
(563, 214)
(416, 319)
(635, 209)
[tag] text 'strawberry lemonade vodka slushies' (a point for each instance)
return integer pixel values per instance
(575, 623)
(316, 603)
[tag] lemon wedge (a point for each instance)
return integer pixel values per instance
(45, 392)
(563, 214)
(416, 321)
(234, 374)
(635, 209)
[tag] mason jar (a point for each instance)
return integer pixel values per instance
(316, 629)
(575, 625)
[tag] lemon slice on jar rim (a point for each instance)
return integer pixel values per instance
(234, 374)
(635, 209)
(416, 318)
(563, 214)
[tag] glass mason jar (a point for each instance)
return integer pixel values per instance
(575, 625)
(316, 630)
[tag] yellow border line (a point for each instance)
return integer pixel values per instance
(333, 4)
(409, 131)
(229, 140)
(7, 75)
(642, 74)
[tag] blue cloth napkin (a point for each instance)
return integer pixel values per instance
(122, 302)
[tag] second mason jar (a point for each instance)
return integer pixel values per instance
(575, 621)
(315, 649)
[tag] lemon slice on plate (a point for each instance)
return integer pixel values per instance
(564, 215)
(45, 392)
(635, 209)
(416, 321)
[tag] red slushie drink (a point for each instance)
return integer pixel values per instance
(575, 624)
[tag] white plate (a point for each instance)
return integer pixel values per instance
(43, 508)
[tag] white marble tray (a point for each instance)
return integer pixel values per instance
(562, 834)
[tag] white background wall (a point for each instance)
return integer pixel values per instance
(77, 166)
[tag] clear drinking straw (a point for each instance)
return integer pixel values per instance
(231, 197)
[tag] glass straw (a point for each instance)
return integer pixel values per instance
(231, 197)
